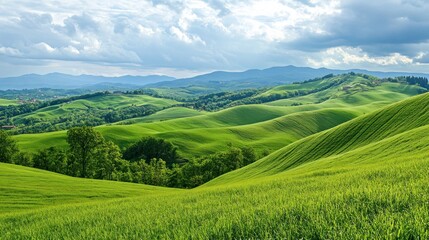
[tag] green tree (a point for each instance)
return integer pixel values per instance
(155, 173)
(24, 159)
(198, 171)
(249, 155)
(51, 159)
(149, 148)
(106, 160)
(8, 148)
(83, 143)
(176, 178)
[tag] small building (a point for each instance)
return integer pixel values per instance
(8, 127)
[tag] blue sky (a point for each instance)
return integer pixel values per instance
(184, 38)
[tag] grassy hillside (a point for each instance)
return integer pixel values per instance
(349, 89)
(167, 114)
(26, 188)
(7, 102)
(366, 178)
(261, 127)
(85, 110)
(371, 128)
(114, 101)
(268, 126)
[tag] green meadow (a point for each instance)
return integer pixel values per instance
(265, 127)
(7, 102)
(113, 101)
(366, 178)
(166, 114)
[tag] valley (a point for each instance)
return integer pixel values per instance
(192, 119)
(344, 156)
(266, 126)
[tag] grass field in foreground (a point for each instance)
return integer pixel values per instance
(25, 188)
(370, 187)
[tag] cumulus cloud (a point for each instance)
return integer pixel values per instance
(198, 36)
(375, 26)
(349, 56)
(12, 52)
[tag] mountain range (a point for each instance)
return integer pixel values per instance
(220, 80)
(65, 81)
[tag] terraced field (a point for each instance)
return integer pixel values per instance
(366, 178)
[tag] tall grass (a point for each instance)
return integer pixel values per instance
(384, 200)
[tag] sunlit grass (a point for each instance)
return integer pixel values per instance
(7, 102)
(263, 127)
(365, 179)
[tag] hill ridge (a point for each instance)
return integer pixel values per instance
(316, 147)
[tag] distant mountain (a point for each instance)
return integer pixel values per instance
(201, 84)
(264, 78)
(65, 81)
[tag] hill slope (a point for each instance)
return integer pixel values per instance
(26, 188)
(379, 125)
(7, 102)
(91, 110)
(352, 185)
(324, 104)
(255, 78)
(267, 126)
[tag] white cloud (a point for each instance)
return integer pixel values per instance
(10, 51)
(354, 57)
(197, 35)
(185, 37)
(275, 20)
(145, 31)
(44, 47)
(72, 50)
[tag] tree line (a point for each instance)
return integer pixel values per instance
(412, 80)
(79, 117)
(11, 111)
(150, 160)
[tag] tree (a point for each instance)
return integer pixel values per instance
(149, 148)
(83, 142)
(249, 155)
(155, 173)
(8, 148)
(24, 159)
(106, 160)
(176, 178)
(51, 159)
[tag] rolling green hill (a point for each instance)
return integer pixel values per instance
(114, 101)
(167, 114)
(7, 102)
(265, 127)
(380, 125)
(88, 110)
(366, 178)
(26, 188)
